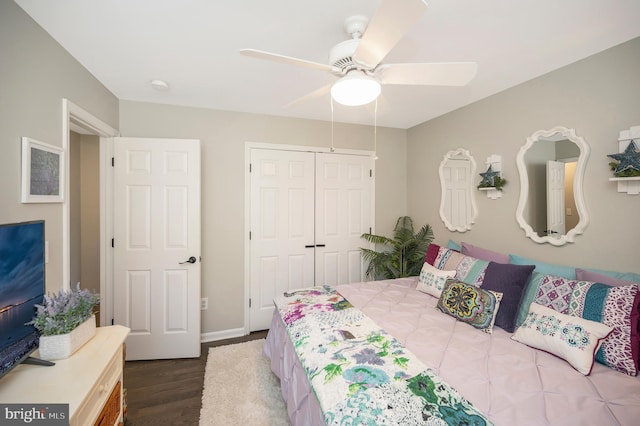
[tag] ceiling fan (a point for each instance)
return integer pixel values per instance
(358, 61)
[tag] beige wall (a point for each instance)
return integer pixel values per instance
(84, 211)
(36, 74)
(223, 135)
(90, 213)
(598, 96)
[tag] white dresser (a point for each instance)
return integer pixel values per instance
(90, 381)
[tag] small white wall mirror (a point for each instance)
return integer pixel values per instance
(551, 165)
(457, 204)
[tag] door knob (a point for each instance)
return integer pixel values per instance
(192, 259)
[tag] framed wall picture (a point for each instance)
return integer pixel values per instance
(42, 169)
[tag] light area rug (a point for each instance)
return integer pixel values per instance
(240, 388)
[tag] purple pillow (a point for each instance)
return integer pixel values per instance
(510, 280)
(484, 254)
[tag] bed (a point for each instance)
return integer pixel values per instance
(508, 382)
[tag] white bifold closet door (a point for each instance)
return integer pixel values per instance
(308, 211)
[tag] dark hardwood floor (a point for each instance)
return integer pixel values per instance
(169, 392)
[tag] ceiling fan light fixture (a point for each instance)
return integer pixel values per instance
(355, 89)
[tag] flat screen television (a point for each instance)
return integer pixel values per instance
(22, 286)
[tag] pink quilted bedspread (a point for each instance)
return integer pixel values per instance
(509, 382)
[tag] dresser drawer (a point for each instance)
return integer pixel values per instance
(91, 407)
(113, 408)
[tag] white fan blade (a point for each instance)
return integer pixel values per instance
(428, 74)
(311, 96)
(288, 60)
(392, 20)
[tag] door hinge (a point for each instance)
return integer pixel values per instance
(113, 242)
(249, 167)
(112, 322)
(249, 235)
(249, 302)
(370, 172)
(370, 230)
(113, 162)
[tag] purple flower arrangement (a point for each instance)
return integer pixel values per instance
(62, 312)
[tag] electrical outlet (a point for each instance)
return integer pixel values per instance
(204, 303)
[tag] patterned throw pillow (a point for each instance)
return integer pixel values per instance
(434, 251)
(615, 306)
(620, 279)
(432, 279)
(468, 269)
(555, 292)
(573, 339)
(470, 304)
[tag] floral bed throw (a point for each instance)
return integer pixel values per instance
(359, 373)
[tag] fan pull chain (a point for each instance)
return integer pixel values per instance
(375, 130)
(332, 148)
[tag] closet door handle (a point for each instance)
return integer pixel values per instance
(310, 246)
(320, 245)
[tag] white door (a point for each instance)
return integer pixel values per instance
(555, 199)
(344, 187)
(157, 246)
(456, 200)
(308, 211)
(282, 228)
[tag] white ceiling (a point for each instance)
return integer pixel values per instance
(193, 45)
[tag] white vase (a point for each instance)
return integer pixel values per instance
(64, 345)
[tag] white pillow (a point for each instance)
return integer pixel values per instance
(574, 339)
(432, 279)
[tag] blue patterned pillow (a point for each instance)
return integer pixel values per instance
(468, 269)
(616, 307)
(470, 304)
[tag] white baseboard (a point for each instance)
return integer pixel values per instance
(221, 335)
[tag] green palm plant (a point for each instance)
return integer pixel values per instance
(403, 255)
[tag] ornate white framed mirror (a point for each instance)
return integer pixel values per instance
(457, 203)
(551, 165)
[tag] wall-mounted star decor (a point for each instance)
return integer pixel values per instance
(629, 160)
(488, 177)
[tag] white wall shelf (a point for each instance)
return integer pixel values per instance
(495, 162)
(628, 185)
(492, 192)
